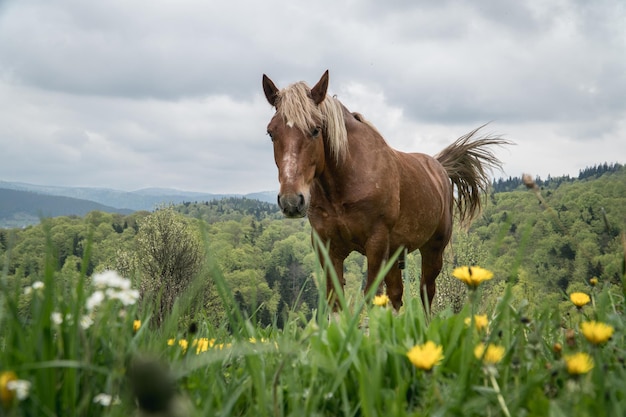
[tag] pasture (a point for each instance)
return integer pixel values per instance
(79, 345)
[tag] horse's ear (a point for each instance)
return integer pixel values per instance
(318, 93)
(271, 91)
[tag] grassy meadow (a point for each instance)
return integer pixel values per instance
(78, 345)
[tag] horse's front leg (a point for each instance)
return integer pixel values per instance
(331, 291)
(377, 253)
(335, 267)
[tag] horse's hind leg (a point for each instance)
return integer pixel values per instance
(395, 287)
(432, 262)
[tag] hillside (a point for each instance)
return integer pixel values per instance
(22, 208)
(145, 199)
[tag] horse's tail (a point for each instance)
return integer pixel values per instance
(468, 162)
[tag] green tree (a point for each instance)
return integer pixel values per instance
(169, 255)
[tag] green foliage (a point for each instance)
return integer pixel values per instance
(548, 242)
(169, 255)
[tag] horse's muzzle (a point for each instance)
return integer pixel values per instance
(293, 205)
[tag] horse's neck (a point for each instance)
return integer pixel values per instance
(344, 179)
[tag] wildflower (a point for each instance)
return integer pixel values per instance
(182, 343)
(578, 363)
(136, 325)
(593, 281)
(596, 332)
(110, 279)
(381, 300)
(20, 387)
(106, 400)
(37, 285)
(580, 299)
(94, 300)
(11, 388)
(425, 356)
(56, 318)
(127, 296)
(203, 344)
(6, 395)
(472, 275)
(86, 322)
(480, 321)
(221, 346)
(557, 348)
(490, 355)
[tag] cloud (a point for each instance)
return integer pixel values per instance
(168, 94)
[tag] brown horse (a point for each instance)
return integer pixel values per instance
(362, 195)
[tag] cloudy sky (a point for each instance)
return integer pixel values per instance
(151, 93)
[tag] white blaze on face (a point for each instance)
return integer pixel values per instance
(290, 166)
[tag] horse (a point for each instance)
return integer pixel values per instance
(362, 195)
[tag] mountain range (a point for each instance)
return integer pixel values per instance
(22, 204)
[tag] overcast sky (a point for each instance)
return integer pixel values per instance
(149, 93)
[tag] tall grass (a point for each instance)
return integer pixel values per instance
(345, 366)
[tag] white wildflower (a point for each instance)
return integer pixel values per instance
(20, 387)
(37, 285)
(94, 300)
(127, 297)
(56, 317)
(106, 400)
(86, 322)
(110, 279)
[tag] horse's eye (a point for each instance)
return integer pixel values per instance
(315, 132)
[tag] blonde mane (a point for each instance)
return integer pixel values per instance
(294, 104)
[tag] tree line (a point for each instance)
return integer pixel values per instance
(595, 171)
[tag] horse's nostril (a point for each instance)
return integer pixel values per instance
(278, 201)
(301, 200)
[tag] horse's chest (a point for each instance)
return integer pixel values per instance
(347, 229)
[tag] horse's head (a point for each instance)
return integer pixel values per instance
(297, 131)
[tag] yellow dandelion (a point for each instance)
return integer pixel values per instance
(578, 363)
(201, 345)
(579, 299)
(472, 275)
(7, 395)
(491, 356)
(480, 321)
(381, 300)
(170, 342)
(183, 344)
(593, 281)
(596, 332)
(136, 325)
(425, 356)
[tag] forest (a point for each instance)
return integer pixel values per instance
(547, 238)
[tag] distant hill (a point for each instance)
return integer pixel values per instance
(23, 208)
(145, 199)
